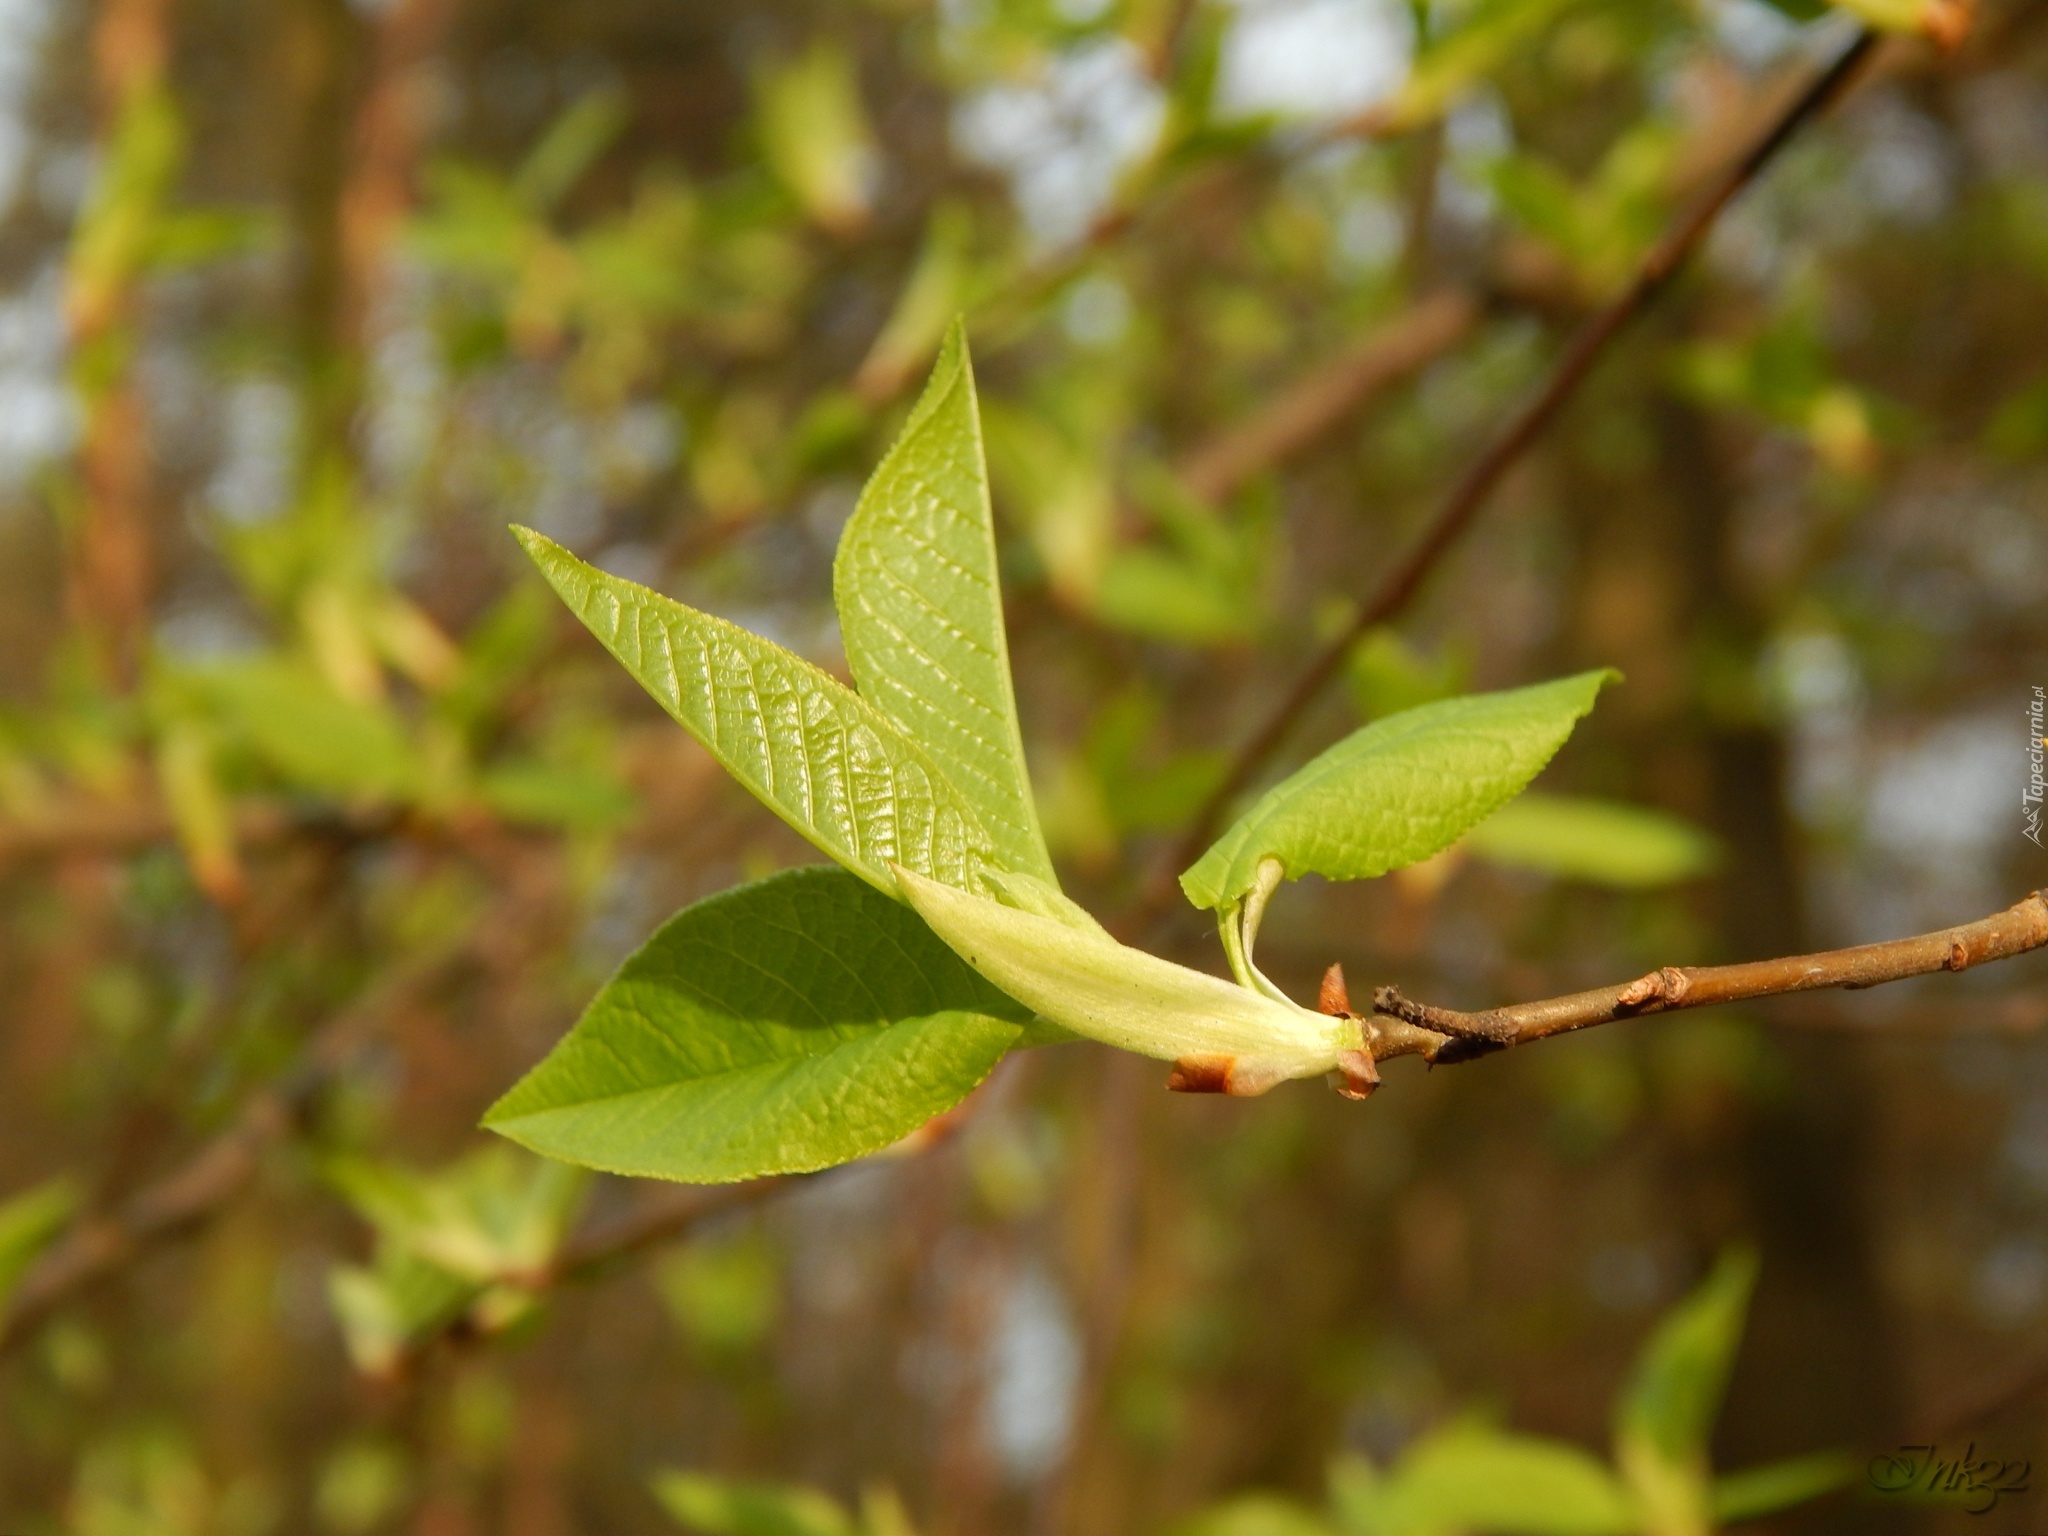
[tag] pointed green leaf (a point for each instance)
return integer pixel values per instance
(1667, 1411)
(1602, 841)
(1398, 790)
(791, 1024)
(1765, 1490)
(816, 753)
(921, 609)
(1083, 980)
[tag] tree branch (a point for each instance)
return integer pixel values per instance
(1445, 1035)
(1472, 490)
(1322, 400)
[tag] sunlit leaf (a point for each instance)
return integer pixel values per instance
(1474, 1478)
(1397, 790)
(1602, 841)
(1255, 1514)
(819, 756)
(790, 1024)
(309, 734)
(921, 609)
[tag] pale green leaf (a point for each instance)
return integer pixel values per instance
(1493, 1483)
(1779, 1485)
(714, 1506)
(1255, 1514)
(288, 715)
(1601, 841)
(28, 1223)
(1397, 790)
(921, 609)
(1084, 980)
(816, 753)
(495, 1214)
(791, 1024)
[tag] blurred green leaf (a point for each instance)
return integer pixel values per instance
(1602, 841)
(572, 144)
(921, 609)
(292, 718)
(1759, 1491)
(815, 135)
(1255, 1514)
(492, 1215)
(1490, 33)
(1667, 1411)
(1474, 1478)
(791, 1024)
(718, 1507)
(723, 1293)
(814, 752)
(386, 1307)
(29, 1222)
(938, 288)
(1397, 790)
(1388, 675)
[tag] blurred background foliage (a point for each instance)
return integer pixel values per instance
(319, 818)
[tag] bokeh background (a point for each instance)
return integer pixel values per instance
(319, 819)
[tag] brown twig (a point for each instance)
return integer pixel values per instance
(1445, 1035)
(101, 1243)
(1472, 490)
(1319, 403)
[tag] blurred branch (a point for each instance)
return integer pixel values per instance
(117, 827)
(1445, 1035)
(1470, 493)
(1319, 403)
(102, 1243)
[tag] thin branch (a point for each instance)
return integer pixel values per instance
(99, 1244)
(1324, 399)
(1470, 493)
(1446, 1035)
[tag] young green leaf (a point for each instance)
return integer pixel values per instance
(1475, 1478)
(791, 1024)
(921, 609)
(817, 754)
(1664, 1416)
(1396, 791)
(1601, 841)
(713, 1506)
(1085, 981)
(1760, 1491)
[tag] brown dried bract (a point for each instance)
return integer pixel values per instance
(1201, 1074)
(1947, 22)
(1357, 1073)
(1334, 998)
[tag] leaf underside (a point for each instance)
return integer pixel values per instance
(817, 754)
(791, 1024)
(1397, 790)
(921, 613)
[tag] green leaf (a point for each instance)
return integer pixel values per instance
(1601, 841)
(1666, 1412)
(1780, 1485)
(921, 609)
(385, 1308)
(28, 1223)
(1255, 1514)
(716, 1507)
(495, 1214)
(1397, 790)
(288, 715)
(817, 754)
(1475, 1478)
(791, 1024)
(1083, 980)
